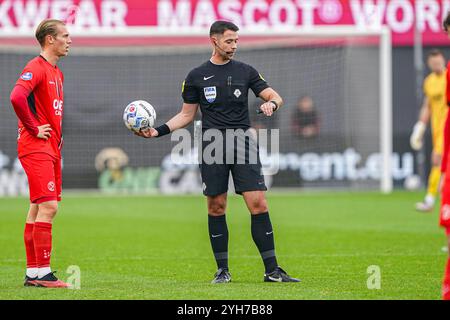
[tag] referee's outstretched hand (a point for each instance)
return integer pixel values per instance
(148, 133)
(44, 132)
(267, 108)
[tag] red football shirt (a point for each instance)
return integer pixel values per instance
(445, 157)
(46, 100)
(448, 83)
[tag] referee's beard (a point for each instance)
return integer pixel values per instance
(225, 56)
(230, 54)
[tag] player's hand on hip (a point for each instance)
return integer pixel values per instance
(268, 108)
(148, 133)
(44, 132)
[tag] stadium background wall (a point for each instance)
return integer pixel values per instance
(93, 122)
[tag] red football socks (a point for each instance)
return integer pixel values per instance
(446, 282)
(42, 236)
(29, 245)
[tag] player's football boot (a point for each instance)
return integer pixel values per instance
(50, 281)
(30, 282)
(424, 207)
(279, 275)
(222, 276)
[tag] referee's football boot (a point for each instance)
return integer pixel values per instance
(29, 282)
(279, 275)
(222, 276)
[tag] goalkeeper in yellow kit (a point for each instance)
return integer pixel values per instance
(434, 108)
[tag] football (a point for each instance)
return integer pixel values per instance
(139, 115)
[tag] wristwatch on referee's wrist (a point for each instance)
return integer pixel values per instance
(275, 104)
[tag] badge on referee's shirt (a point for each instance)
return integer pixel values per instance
(210, 94)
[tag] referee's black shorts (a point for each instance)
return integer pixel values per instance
(240, 158)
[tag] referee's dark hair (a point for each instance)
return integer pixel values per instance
(446, 23)
(219, 27)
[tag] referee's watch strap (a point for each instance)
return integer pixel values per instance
(163, 130)
(276, 105)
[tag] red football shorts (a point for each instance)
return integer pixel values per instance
(44, 177)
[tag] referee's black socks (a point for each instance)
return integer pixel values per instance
(218, 234)
(262, 234)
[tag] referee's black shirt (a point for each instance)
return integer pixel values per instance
(222, 92)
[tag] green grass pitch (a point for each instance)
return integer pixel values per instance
(155, 247)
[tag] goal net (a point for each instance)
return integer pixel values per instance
(334, 129)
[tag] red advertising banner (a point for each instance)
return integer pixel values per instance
(403, 17)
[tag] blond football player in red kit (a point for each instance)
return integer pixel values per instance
(38, 100)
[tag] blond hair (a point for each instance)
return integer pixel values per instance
(47, 27)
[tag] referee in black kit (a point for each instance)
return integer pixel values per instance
(220, 86)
